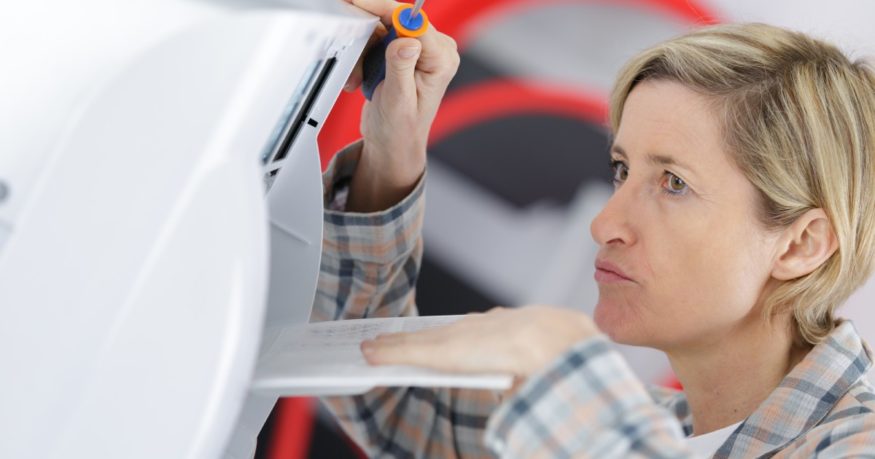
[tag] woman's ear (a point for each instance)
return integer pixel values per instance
(804, 246)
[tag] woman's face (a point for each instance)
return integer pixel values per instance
(683, 259)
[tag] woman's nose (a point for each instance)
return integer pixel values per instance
(612, 224)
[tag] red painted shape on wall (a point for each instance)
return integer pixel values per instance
(292, 429)
(342, 125)
(500, 98)
(461, 19)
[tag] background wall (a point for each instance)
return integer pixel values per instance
(518, 158)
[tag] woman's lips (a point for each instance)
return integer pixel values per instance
(609, 273)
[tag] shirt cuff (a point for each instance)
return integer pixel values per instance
(375, 237)
(583, 402)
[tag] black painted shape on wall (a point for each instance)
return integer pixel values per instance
(528, 159)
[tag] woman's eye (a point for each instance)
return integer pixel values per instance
(621, 172)
(674, 184)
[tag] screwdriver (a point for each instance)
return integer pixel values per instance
(407, 21)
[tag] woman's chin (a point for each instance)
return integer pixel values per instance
(618, 323)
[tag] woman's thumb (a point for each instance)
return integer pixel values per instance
(401, 57)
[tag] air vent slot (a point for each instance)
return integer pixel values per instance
(298, 113)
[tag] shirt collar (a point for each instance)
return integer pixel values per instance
(805, 395)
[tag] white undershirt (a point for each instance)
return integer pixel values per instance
(706, 445)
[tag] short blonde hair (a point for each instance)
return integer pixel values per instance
(799, 118)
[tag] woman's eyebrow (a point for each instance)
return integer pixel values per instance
(665, 160)
(619, 150)
(668, 161)
(655, 159)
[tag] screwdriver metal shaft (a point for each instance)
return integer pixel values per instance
(416, 7)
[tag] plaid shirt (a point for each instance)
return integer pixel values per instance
(587, 403)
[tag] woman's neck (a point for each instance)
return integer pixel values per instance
(728, 377)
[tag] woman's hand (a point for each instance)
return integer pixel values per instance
(396, 121)
(518, 341)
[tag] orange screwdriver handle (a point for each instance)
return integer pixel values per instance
(374, 65)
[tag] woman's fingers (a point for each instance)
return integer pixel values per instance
(381, 8)
(399, 86)
(440, 54)
(356, 77)
(515, 341)
(452, 347)
(400, 349)
(413, 348)
(439, 58)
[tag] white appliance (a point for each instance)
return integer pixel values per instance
(160, 215)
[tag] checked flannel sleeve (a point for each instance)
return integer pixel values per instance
(586, 404)
(370, 264)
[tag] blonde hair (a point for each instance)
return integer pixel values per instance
(799, 118)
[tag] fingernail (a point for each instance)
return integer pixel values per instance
(408, 53)
(367, 347)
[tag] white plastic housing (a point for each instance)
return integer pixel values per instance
(135, 237)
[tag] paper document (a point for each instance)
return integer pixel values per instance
(324, 358)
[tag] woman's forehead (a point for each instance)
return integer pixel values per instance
(665, 123)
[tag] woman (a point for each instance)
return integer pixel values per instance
(741, 219)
